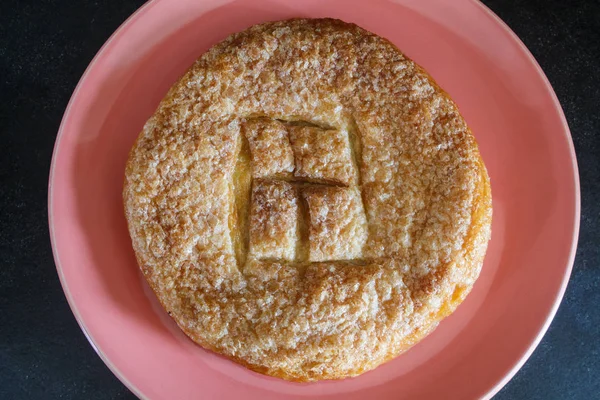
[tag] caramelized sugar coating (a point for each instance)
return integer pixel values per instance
(307, 201)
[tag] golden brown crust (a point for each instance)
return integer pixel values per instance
(337, 228)
(269, 147)
(322, 155)
(301, 141)
(273, 221)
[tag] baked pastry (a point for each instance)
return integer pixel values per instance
(307, 201)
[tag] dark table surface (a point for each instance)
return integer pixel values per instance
(45, 46)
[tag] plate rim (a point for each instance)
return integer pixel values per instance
(577, 192)
(555, 103)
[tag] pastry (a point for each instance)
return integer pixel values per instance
(307, 201)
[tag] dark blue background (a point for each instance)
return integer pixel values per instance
(45, 47)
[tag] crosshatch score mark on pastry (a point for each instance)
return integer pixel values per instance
(307, 201)
(300, 183)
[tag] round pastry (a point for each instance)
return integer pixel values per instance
(307, 201)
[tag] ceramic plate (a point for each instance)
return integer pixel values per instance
(503, 95)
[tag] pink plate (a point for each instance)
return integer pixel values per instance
(502, 93)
